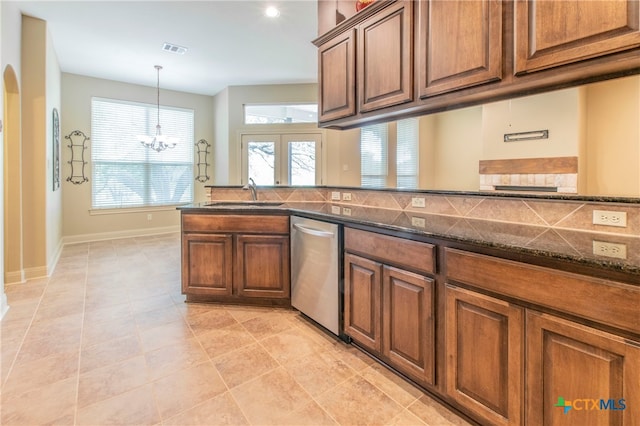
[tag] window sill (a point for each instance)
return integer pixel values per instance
(98, 212)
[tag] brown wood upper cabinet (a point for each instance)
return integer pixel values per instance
(369, 66)
(385, 58)
(553, 33)
(337, 64)
(428, 56)
(460, 44)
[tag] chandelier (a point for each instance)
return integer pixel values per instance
(159, 142)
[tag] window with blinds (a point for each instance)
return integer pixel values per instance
(407, 153)
(373, 156)
(125, 173)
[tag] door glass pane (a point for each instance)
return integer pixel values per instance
(261, 162)
(302, 163)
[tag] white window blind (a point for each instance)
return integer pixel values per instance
(373, 156)
(407, 153)
(125, 173)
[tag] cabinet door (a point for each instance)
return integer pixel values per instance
(336, 70)
(385, 58)
(552, 33)
(484, 347)
(262, 266)
(408, 336)
(460, 44)
(362, 288)
(207, 264)
(570, 365)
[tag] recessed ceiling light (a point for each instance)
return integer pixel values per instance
(174, 48)
(272, 12)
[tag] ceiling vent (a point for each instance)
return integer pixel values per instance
(173, 48)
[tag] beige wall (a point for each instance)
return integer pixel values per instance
(34, 144)
(559, 112)
(221, 138)
(613, 137)
(53, 215)
(598, 123)
(3, 297)
(455, 150)
(79, 222)
(343, 162)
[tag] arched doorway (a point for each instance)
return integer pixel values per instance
(13, 249)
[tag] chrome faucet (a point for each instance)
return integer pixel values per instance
(253, 188)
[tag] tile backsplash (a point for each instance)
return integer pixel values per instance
(558, 214)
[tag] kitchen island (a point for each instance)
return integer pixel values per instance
(494, 319)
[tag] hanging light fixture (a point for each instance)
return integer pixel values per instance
(159, 142)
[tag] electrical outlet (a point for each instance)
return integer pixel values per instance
(418, 222)
(346, 211)
(149, 216)
(335, 196)
(335, 209)
(610, 218)
(602, 248)
(346, 196)
(417, 202)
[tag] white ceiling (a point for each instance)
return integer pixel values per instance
(229, 42)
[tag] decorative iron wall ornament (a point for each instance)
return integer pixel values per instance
(202, 149)
(78, 141)
(56, 150)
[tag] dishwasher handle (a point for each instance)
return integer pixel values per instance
(313, 231)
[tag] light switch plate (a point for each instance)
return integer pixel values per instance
(335, 195)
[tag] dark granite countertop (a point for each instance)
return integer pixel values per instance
(540, 241)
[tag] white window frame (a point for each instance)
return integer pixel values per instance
(281, 139)
(151, 158)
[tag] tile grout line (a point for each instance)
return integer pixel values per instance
(84, 309)
(26, 331)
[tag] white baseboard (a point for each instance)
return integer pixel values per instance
(86, 238)
(16, 277)
(54, 259)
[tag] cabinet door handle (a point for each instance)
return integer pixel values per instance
(313, 231)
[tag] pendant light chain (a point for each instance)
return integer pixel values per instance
(158, 68)
(159, 142)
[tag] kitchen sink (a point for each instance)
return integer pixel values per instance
(244, 203)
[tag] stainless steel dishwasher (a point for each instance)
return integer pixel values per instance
(315, 271)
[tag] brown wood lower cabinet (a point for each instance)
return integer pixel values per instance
(389, 311)
(233, 258)
(207, 267)
(595, 375)
(484, 348)
(362, 292)
(262, 266)
(408, 340)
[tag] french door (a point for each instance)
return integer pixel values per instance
(286, 159)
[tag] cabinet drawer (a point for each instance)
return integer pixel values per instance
(251, 224)
(603, 301)
(393, 250)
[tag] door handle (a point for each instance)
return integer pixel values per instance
(313, 231)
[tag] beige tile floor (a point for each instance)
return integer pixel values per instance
(108, 339)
